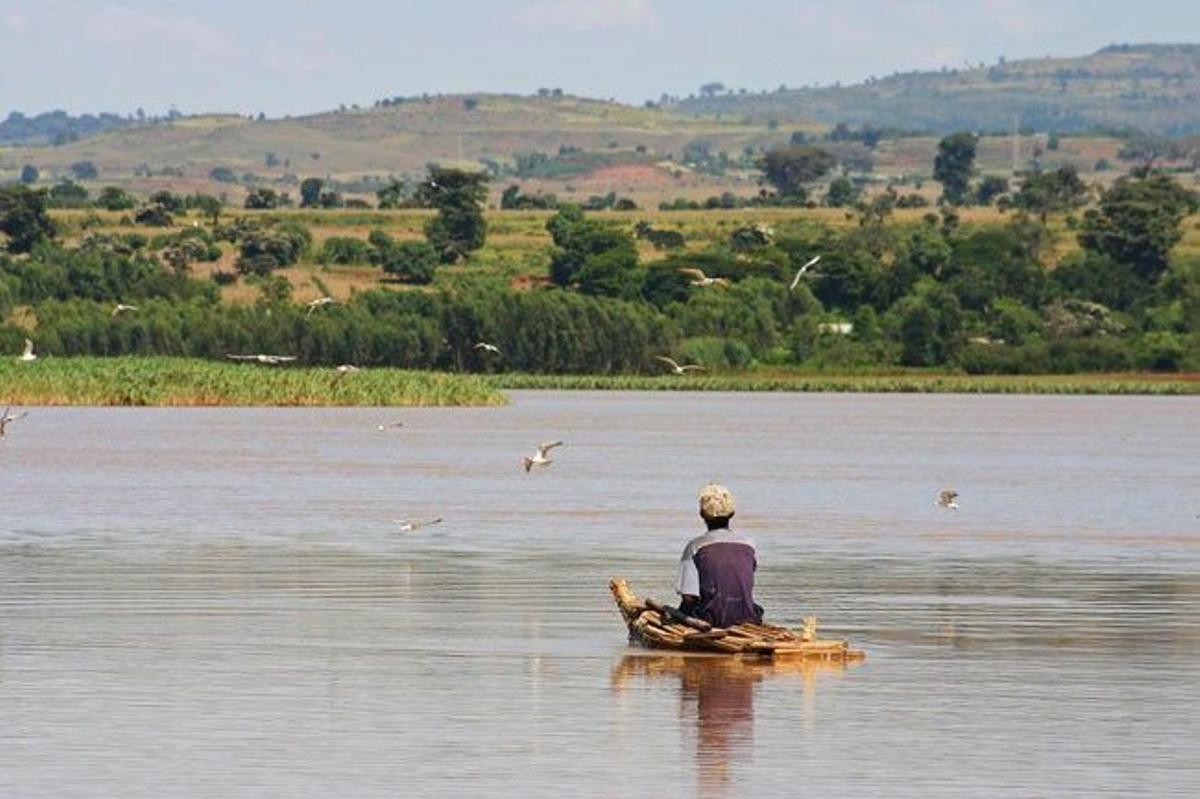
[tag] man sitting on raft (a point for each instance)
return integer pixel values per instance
(716, 571)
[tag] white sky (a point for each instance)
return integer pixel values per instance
(297, 56)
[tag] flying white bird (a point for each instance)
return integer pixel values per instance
(701, 279)
(408, 526)
(8, 417)
(948, 500)
(492, 348)
(800, 273)
(122, 308)
(318, 303)
(27, 355)
(269, 360)
(539, 458)
(676, 368)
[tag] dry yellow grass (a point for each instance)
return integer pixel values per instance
(519, 247)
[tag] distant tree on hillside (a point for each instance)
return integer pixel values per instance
(211, 206)
(841, 192)
(310, 192)
(84, 170)
(954, 164)
(458, 195)
(989, 189)
(262, 198)
(29, 174)
(114, 198)
(154, 215)
(169, 201)
(1145, 149)
(393, 195)
(1052, 192)
(712, 89)
(67, 194)
(790, 168)
(513, 199)
(23, 218)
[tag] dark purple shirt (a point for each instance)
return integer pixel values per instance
(718, 567)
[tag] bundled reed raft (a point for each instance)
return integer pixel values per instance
(659, 626)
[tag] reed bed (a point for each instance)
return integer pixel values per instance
(919, 383)
(164, 381)
(185, 382)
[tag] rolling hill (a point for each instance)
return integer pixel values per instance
(396, 139)
(1154, 88)
(638, 151)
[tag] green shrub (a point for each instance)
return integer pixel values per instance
(715, 352)
(345, 250)
(266, 249)
(154, 216)
(408, 261)
(1161, 352)
(113, 198)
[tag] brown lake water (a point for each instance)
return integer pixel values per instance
(218, 602)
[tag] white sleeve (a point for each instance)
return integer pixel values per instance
(689, 579)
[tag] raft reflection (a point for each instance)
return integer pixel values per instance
(716, 699)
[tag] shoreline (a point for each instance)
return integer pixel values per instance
(192, 382)
(1121, 384)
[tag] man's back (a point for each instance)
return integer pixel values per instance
(718, 567)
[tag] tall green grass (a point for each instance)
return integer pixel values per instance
(902, 384)
(180, 381)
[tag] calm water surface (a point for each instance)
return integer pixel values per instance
(219, 603)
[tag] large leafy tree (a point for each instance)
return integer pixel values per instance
(596, 257)
(114, 198)
(954, 164)
(268, 248)
(458, 195)
(23, 217)
(1051, 192)
(393, 195)
(1138, 223)
(310, 192)
(929, 325)
(791, 168)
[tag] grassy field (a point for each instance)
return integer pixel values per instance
(184, 382)
(518, 246)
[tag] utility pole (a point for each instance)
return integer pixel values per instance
(1016, 146)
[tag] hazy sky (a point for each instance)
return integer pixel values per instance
(296, 56)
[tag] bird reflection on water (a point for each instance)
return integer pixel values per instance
(716, 699)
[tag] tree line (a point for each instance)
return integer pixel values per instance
(933, 293)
